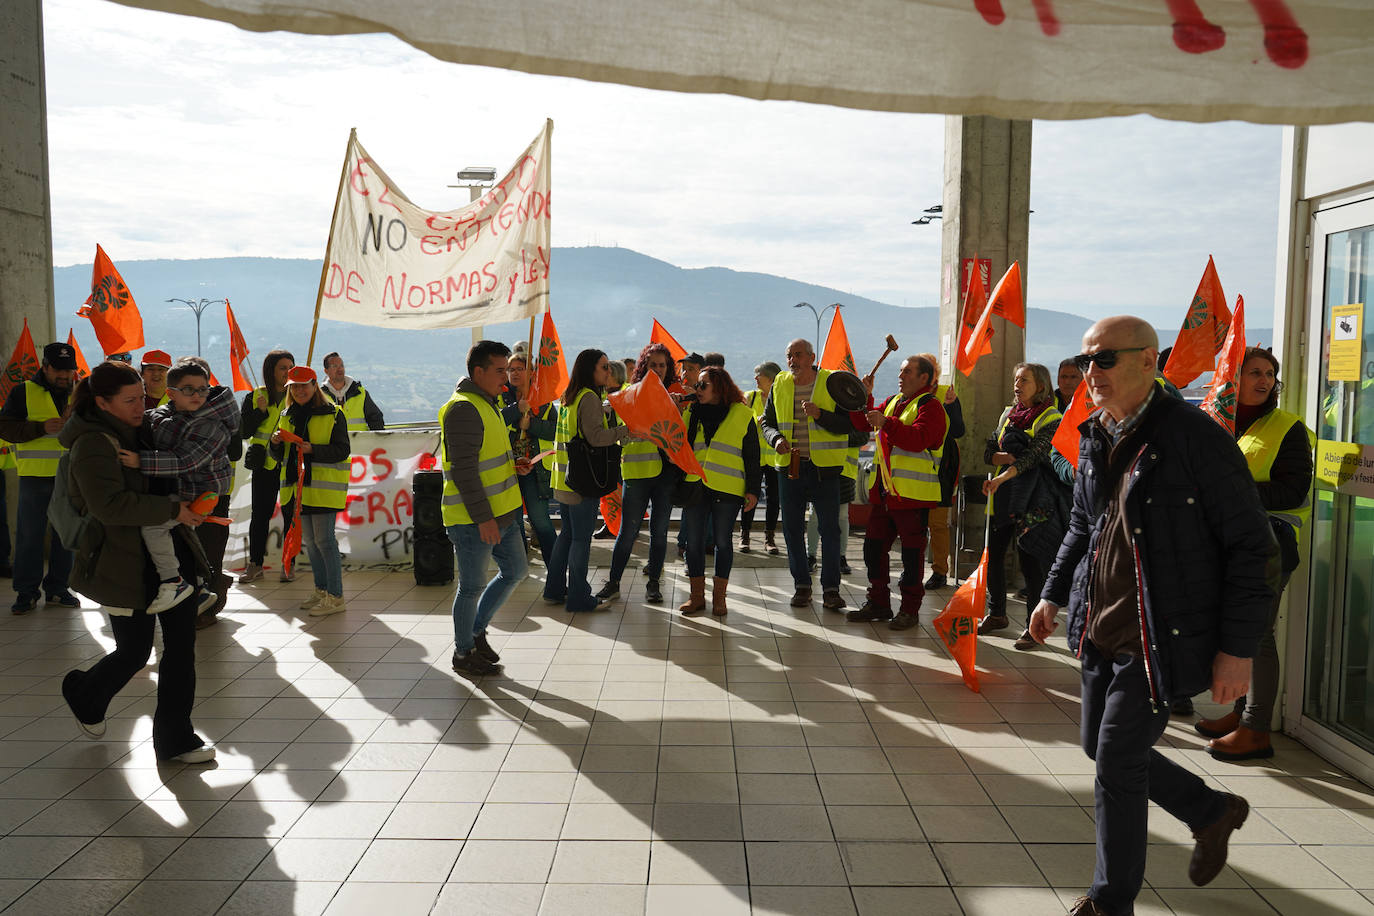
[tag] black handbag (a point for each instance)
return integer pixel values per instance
(255, 457)
(593, 470)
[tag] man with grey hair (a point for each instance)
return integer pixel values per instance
(1166, 573)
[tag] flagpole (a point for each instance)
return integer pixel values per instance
(329, 245)
(531, 357)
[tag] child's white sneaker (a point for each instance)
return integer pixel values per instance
(170, 594)
(315, 598)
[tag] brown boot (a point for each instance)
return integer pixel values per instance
(1241, 744)
(718, 607)
(1217, 728)
(696, 602)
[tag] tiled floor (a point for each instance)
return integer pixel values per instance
(630, 761)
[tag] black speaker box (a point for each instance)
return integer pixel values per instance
(433, 561)
(428, 490)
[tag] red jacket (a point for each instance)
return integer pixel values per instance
(926, 433)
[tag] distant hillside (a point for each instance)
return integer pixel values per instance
(602, 297)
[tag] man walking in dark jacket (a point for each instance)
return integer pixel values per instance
(1166, 574)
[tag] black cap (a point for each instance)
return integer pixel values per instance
(696, 358)
(59, 356)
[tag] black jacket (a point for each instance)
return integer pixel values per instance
(1206, 554)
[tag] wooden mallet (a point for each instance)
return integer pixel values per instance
(891, 347)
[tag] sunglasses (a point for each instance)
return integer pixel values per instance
(702, 386)
(192, 390)
(1105, 359)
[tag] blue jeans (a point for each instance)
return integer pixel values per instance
(572, 552)
(655, 494)
(823, 493)
(477, 599)
(322, 547)
(714, 512)
(537, 505)
(31, 524)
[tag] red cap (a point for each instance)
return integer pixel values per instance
(157, 358)
(299, 375)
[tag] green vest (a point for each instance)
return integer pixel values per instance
(352, 407)
(263, 433)
(7, 459)
(328, 487)
(915, 475)
(495, 464)
(567, 429)
(639, 460)
(1260, 446)
(38, 457)
(768, 457)
(723, 458)
(1048, 415)
(513, 429)
(827, 448)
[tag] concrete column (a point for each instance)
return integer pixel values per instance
(986, 215)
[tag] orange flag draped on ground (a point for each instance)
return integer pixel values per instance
(1222, 395)
(111, 308)
(957, 624)
(238, 351)
(1203, 332)
(1006, 301)
(647, 409)
(22, 365)
(1066, 437)
(83, 368)
(837, 354)
(550, 375)
(660, 335)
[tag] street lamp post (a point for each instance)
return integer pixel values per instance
(477, 179)
(819, 315)
(198, 306)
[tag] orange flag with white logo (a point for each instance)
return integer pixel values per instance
(238, 351)
(837, 354)
(1007, 302)
(660, 334)
(647, 408)
(975, 303)
(83, 368)
(111, 308)
(1203, 333)
(1067, 437)
(549, 377)
(22, 365)
(1222, 394)
(957, 624)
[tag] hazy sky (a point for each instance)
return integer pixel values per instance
(174, 137)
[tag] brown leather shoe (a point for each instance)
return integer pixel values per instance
(1217, 728)
(992, 623)
(1086, 906)
(831, 600)
(1241, 744)
(1209, 855)
(801, 597)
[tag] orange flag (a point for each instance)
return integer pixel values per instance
(550, 375)
(610, 509)
(1066, 437)
(1203, 332)
(111, 308)
(1006, 301)
(238, 351)
(83, 368)
(22, 365)
(975, 303)
(1222, 394)
(957, 624)
(660, 335)
(837, 354)
(647, 409)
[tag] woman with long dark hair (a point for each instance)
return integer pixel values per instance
(261, 412)
(584, 414)
(112, 566)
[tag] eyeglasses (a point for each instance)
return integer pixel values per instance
(702, 386)
(1105, 359)
(192, 390)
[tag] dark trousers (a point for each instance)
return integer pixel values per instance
(537, 506)
(772, 507)
(89, 692)
(4, 522)
(1119, 733)
(656, 495)
(266, 487)
(713, 512)
(566, 578)
(31, 528)
(823, 493)
(884, 527)
(999, 540)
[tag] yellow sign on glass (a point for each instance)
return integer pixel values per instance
(1346, 467)
(1347, 334)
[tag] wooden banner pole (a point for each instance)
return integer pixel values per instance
(329, 245)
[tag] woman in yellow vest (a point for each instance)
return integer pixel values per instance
(258, 419)
(1278, 448)
(324, 488)
(764, 373)
(1031, 501)
(725, 437)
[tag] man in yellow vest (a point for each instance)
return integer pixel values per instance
(359, 409)
(911, 428)
(801, 423)
(31, 419)
(153, 367)
(481, 505)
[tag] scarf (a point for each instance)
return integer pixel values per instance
(1022, 417)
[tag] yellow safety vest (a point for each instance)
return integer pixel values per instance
(38, 457)
(495, 464)
(352, 407)
(567, 429)
(328, 487)
(513, 429)
(1049, 415)
(1260, 446)
(7, 459)
(263, 433)
(768, 457)
(915, 475)
(723, 458)
(827, 448)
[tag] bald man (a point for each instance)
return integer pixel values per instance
(1165, 572)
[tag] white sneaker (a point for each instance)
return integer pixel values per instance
(203, 754)
(315, 598)
(170, 594)
(329, 604)
(251, 573)
(287, 576)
